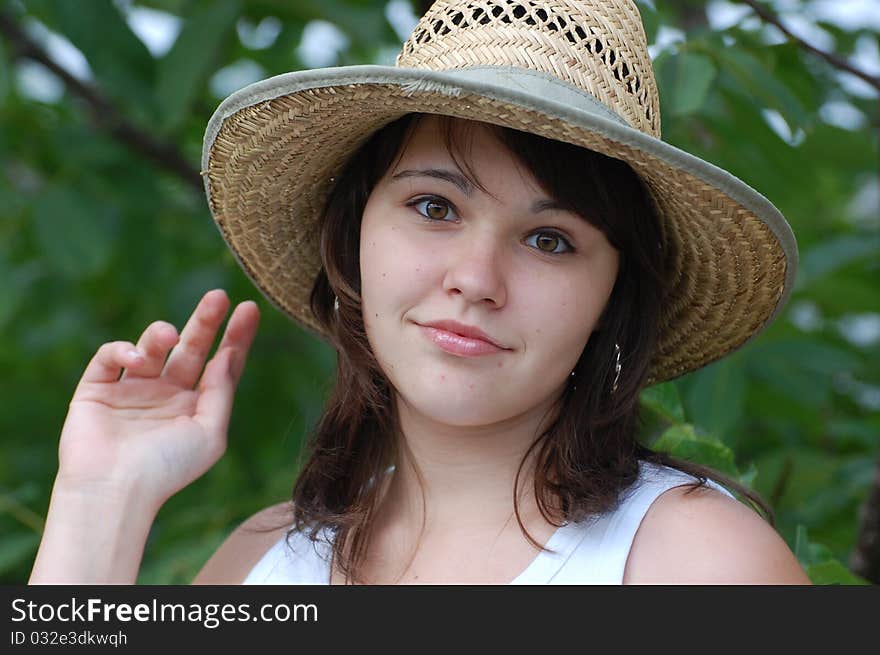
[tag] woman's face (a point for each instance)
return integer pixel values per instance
(506, 261)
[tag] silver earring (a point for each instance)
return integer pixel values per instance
(335, 304)
(617, 367)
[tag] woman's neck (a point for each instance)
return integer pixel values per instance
(450, 502)
(451, 478)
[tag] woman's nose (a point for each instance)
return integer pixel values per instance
(476, 270)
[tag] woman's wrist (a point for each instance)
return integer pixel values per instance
(94, 534)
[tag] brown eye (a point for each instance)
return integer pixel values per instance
(547, 242)
(550, 242)
(436, 210)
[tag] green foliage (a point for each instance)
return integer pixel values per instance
(687, 77)
(819, 563)
(682, 441)
(183, 71)
(97, 240)
(117, 57)
(74, 233)
(664, 401)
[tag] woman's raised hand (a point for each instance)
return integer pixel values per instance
(148, 423)
(142, 425)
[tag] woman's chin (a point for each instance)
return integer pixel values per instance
(468, 408)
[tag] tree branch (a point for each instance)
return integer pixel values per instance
(830, 57)
(104, 114)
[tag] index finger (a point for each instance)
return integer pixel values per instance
(110, 360)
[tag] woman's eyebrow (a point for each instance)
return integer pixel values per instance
(445, 174)
(545, 204)
(466, 187)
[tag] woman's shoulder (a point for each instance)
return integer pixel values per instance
(246, 545)
(699, 535)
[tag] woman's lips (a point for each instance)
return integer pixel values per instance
(456, 344)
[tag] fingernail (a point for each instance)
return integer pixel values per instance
(134, 354)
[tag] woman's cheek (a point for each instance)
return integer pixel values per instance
(412, 254)
(576, 309)
(394, 265)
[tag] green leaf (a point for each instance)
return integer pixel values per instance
(833, 572)
(665, 401)
(683, 442)
(828, 256)
(361, 22)
(820, 565)
(120, 61)
(854, 433)
(74, 233)
(650, 20)
(808, 552)
(846, 292)
(747, 477)
(801, 368)
(802, 546)
(182, 72)
(17, 285)
(760, 85)
(805, 354)
(714, 396)
(17, 548)
(685, 79)
(847, 487)
(4, 75)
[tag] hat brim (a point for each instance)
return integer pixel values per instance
(272, 149)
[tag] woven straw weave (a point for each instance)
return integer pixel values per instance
(596, 46)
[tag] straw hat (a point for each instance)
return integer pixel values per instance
(575, 71)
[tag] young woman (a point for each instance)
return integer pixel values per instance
(504, 253)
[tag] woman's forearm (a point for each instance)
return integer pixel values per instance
(92, 536)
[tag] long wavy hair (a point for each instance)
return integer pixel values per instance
(588, 455)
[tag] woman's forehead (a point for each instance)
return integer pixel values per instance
(447, 136)
(467, 147)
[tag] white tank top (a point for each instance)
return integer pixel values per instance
(590, 552)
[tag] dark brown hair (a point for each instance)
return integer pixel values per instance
(589, 453)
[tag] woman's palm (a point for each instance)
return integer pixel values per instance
(162, 423)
